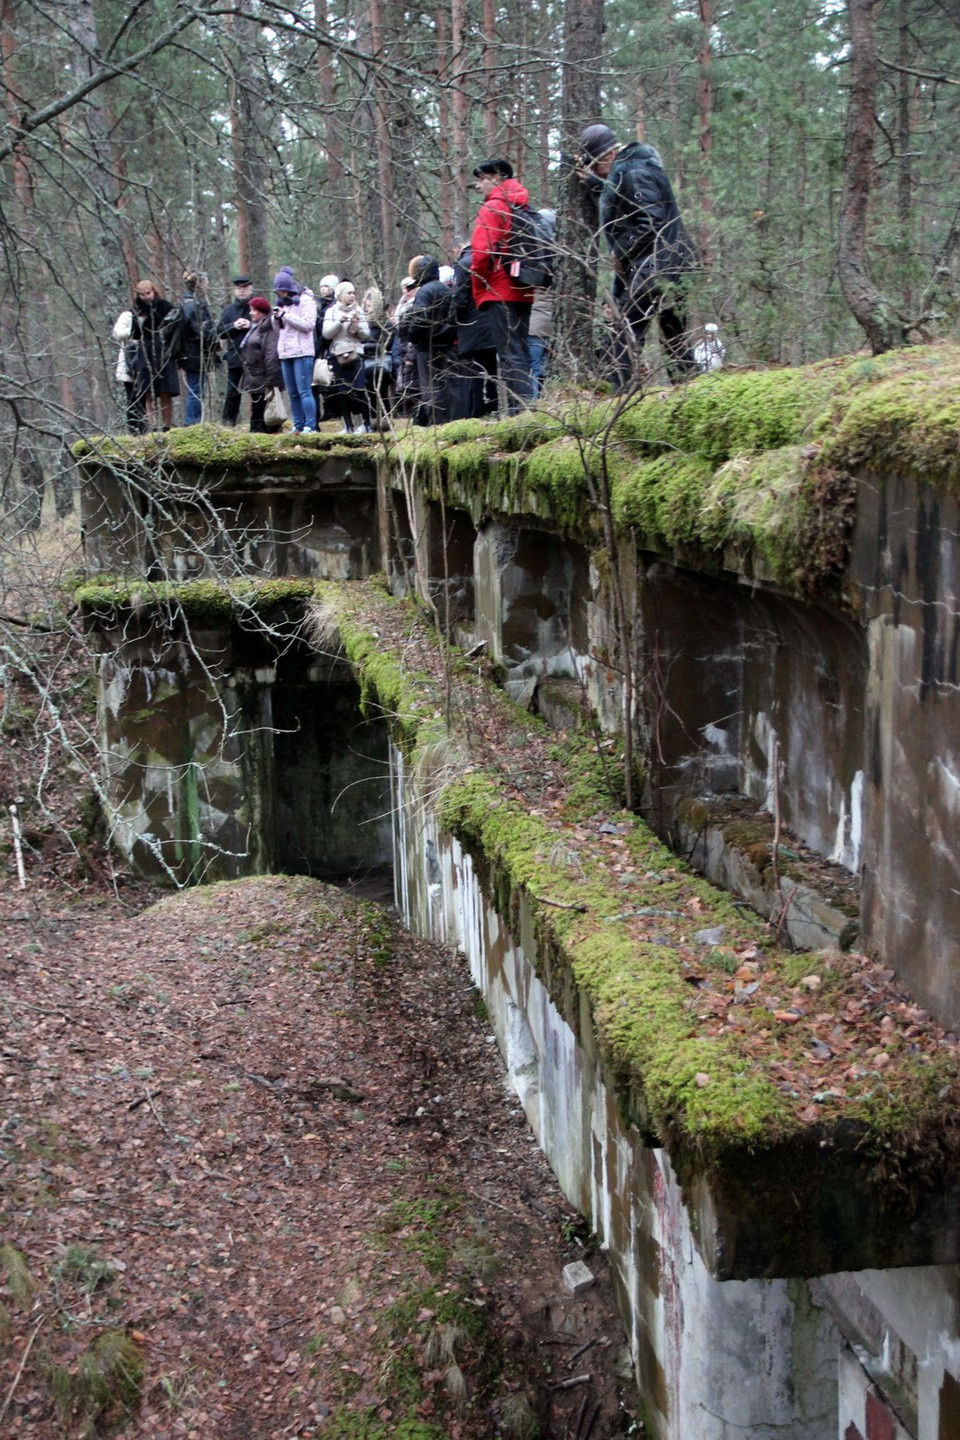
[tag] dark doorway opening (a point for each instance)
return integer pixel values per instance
(331, 790)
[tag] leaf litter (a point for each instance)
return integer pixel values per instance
(249, 1128)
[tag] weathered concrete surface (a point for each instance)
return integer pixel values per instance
(815, 902)
(740, 693)
(905, 579)
(227, 760)
(899, 1350)
(150, 517)
(837, 711)
(713, 1359)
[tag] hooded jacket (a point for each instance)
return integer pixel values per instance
(429, 319)
(230, 314)
(296, 324)
(199, 341)
(491, 230)
(639, 215)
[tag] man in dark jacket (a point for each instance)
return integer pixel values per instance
(199, 344)
(234, 323)
(652, 252)
(496, 290)
(472, 385)
(429, 323)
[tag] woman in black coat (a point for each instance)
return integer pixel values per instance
(155, 378)
(261, 364)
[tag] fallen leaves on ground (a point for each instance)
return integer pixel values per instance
(263, 1132)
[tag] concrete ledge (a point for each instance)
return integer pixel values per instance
(780, 1178)
(811, 902)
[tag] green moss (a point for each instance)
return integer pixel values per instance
(905, 425)
(664, 497)
(467, 462)
(102, 1390)
(566, 473)
(686, 1082)
(763, 461)
(218, 448)
(364, 1425)
(727, 413)
(594, 779)
(16, 1273)
(637, 993)
(197, 600)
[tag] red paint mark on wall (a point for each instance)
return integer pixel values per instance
(880, 1422)
(852, 1433)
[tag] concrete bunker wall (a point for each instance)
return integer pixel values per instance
(157, 521)
(746, 700)
(905, 581)
(840, 715)
(773, 1359)
(229, 755)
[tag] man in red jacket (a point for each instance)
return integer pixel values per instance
(504, 302)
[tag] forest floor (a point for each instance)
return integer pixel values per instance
(260, 1174)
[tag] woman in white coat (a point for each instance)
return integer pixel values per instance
(345, 329)
(126, 371)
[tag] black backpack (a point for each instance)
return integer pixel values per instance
(173, 335)
(430, 320)
(531, 247)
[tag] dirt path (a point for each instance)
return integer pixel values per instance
(257, 1143)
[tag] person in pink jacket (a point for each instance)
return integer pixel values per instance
(504, 303)
(295, 316)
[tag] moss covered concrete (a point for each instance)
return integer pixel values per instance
(386, 680)
(212, 452)
(212, 601)
(759, 464)
(656, 1045)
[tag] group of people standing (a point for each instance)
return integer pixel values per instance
(159, 342)
(463, 340)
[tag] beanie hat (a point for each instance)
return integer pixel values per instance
(345, 288)
(285, 281)
(425, 268)
(330, 281)
(259, 303)
(595, 142)
(500, 167)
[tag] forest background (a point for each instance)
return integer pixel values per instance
(813, 145)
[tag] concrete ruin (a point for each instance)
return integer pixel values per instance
(776, 556)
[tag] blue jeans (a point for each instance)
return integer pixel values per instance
(297, 377)
(539, 349)
(195, 382)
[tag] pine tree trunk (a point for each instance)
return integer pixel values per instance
(492, 98)
(871, 310)
(576, 279)
(705, 114)
(101, 178)
(250, 166)
(459, 158)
